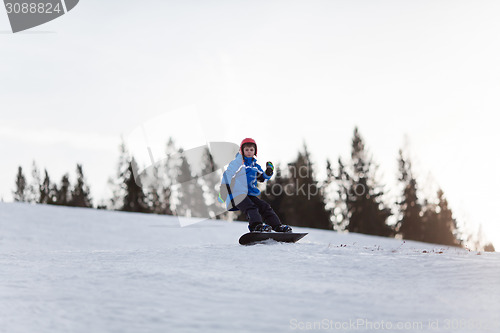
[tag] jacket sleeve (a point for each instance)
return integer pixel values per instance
(231, 171)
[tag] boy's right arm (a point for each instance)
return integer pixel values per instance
(231, 171)
(228, 179)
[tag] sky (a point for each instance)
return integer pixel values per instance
(422, 75)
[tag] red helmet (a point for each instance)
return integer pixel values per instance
(248, 140)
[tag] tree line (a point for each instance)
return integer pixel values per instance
(350, 198)
(41, 189)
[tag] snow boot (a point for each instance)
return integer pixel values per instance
(283, 228)
(259, 227)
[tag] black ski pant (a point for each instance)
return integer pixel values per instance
(257, 209)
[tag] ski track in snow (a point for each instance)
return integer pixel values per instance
(84, 270)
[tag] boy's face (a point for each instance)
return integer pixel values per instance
(248, 150)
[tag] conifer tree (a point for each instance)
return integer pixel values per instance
(329, 190)
(182, 176)
(135, 199)
(165, 195)
(147, 192)
(190, 198)
(157, 189)
(304, 204)
(364, 207)
(151, 181)
(80, 195)
(20, 194)
(170, 171)
(210, 181)
(63, 195)
(153, 201)
(47, 191)
(117, 184)
(411, 223)
(489, 247)
(274, 193)
(341, 210)
(35, 185)
(440, 225)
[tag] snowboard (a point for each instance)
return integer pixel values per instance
(259, 237)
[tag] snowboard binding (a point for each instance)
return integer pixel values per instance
(259, 227)
(283, 228)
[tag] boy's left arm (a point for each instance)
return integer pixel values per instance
(265, 175)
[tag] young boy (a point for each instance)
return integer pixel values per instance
(239, 189)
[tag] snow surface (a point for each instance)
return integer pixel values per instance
(84, 270)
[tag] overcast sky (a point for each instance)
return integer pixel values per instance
(419, 73)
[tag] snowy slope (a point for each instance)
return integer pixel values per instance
(83, 270)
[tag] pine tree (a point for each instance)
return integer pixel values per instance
(117, 184)
(329, 190)
(440, 225)
(182, 176)
(489, 248)
(171, 169)
(135, 199)
(47, 191)
(189, 194)
(80, 195)
(63, 195)
(274, 193)
(304, 204)
(157, 194)
(364, 209)
(411, 223)
(210, 180)
(166, 194)
(35, 185)
(20, 194)
(153, 199)
(341, 210)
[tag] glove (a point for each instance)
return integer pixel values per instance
(269, 168)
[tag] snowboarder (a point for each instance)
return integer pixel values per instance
(239, 189)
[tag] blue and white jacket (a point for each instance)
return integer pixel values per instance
(242, 175)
